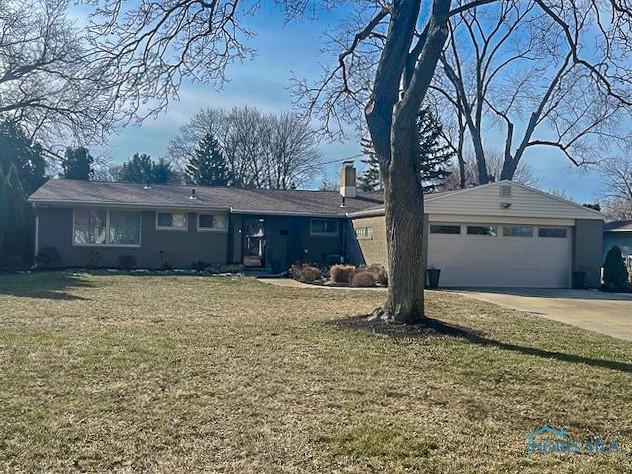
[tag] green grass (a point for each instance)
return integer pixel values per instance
(145, 373)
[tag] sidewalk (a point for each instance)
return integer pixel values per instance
(291, 283)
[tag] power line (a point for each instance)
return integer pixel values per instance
(339, 160)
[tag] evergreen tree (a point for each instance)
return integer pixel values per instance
(162, 172)
(22, 171)
(78, 164)
(434, 156)
(615, 275)
(208, 166)
(20, 152)
(137, 170)
(369, 180)
(141, 169)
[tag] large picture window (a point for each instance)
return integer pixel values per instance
(324, 227)
(106, 227)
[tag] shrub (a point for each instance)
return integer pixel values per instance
(379, 272)
(309, 274)
(200, 266)
(127, 262)
(615, 275)
(232, 268)
(342, 273)
(47, 256)
(363, 278)
(305, 272)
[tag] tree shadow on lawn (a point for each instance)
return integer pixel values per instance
(435, 328)
(45, 285)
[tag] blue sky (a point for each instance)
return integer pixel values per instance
(263, 82)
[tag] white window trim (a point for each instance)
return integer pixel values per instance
(210, 229)
(107, 230)
(176, 229)
(324, 234)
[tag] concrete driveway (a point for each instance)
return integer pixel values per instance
(606, 313)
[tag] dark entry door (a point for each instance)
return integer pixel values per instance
(254, 241)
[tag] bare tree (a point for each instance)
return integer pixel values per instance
(49, 82)
(511, 65)
(383, 71)
(277, 151)
(467, 175)
(617, 190)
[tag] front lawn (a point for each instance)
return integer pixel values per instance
(174, 373)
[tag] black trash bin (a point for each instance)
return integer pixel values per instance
(432, 277)
(579, 279)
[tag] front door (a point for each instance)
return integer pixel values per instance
(254, 242)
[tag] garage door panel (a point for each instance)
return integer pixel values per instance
(482, 261)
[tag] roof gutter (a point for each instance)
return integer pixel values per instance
(118, 205)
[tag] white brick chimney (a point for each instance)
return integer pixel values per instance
(348, 180)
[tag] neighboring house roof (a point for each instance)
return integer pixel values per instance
(618, 226)
(238, 200)
(486, 200)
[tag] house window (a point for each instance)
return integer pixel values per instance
(445, 229)
(93, 227)
(324, 227)
(505, 191)
(364, 233)
(517, 231)
(171, 221)
(211, 222)
(489, 230)
(552, 232)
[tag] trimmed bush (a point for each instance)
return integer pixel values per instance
(305, 272)
(615, 275)
(47, 256)
(309, 274)
(363, 279)
(379, 272)
(342, 273)
(127, 262)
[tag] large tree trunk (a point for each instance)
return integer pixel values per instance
(404, 207)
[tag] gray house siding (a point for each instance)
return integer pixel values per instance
(288, 240)
(587, 250)
(179, 248)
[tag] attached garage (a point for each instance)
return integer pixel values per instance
(499, 235)
(516, 255)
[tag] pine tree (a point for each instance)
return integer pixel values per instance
(137, 170)
(208, 166)
(369, 180)
(78, 164)
(433, 160)
(435, 154)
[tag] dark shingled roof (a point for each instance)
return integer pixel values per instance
(67, 191)
(618, 226)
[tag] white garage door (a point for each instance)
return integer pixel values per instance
(500, 255)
